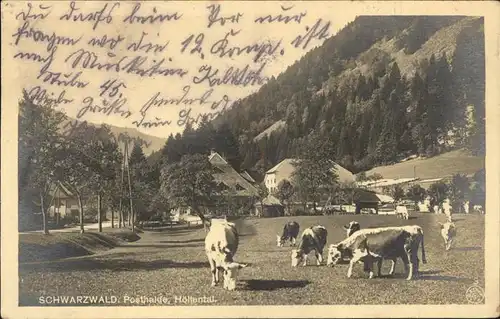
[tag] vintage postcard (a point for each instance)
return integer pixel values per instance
(257, 159)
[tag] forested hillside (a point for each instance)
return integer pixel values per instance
(382, 89)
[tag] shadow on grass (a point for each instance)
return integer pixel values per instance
(466, 248)
(163, 245)
(431, 275)
(199, 240)
(444, 278)
(430, 272)
(269, 285)
(110, 264)
(412, 217)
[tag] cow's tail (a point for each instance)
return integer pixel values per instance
(424, 260)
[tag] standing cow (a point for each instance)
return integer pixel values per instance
(448, 232)
(375, 244)
(351, 228)
(402, 211)
(447, 210)
(313, 239)
(290, 232)
(221, 245)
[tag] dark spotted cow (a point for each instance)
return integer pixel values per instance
(290, 232)
(313, 239)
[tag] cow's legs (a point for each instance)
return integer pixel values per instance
(319, 258)
(406, 263)
(448, 244)
(393, 266)
(353, 261)
(349, 271)
(379, 267)
(410, 260)
(213, 269)
(369, 267)
(305, 260)
(414, 262)
(293, 241)
(217, 275)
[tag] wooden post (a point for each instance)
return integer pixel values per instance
(120, 208)
(99, 212)
(132, 217)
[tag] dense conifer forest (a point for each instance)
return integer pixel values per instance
(382, 89)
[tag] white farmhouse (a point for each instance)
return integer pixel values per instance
(285, 169)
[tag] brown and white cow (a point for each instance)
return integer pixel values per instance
(351, 228)
(448, 232)
(221, 245)
(290, 232)
(375, 244)
(313, 239)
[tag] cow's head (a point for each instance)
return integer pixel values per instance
(351, 228)
(336, 254)
(280, 242)
(231, 274)
(297, 257)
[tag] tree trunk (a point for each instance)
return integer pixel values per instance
(112, 217)
(44, 216)
(80, 206)
(200, 214)
(121, 218)
(99, 212)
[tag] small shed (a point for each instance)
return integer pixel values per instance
(270, 207)
(64, 202)
(364, 198)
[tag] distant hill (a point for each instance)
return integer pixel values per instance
(149, 143)
(443, 165)
(383, 88)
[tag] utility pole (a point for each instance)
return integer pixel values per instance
(121, 216)
(132, 217)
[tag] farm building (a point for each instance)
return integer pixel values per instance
(236, 191)
(64, 202)
(285, 169)
(270, 207)
(364, 199)
(380, 185)
(249, 178)
(228, 180)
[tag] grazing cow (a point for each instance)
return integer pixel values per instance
(221, 245)
(290, 232)
(375, 244)
(313, 239)
(478, 209)
(402, 211)
(448, 232)
(351, 228)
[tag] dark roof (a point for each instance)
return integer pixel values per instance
(365, 196)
